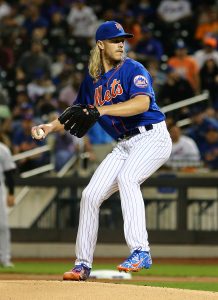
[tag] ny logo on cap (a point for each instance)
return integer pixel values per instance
(119, 27)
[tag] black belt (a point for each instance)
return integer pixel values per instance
(133, 132)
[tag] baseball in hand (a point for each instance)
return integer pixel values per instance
(38, 133)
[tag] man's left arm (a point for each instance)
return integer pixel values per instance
(131, 107)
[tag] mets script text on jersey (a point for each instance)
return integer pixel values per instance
(115, 90)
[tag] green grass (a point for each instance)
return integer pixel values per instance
(173, 270)
(169, 270)
(182, 270)
(38, 268)
(156, 270)
(201, 286)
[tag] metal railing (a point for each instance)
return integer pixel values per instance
(185, 102)
(31, 153)
(171, 107)
(40, 170)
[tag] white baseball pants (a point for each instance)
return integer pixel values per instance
(130, 163)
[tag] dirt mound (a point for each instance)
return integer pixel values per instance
(58, 290)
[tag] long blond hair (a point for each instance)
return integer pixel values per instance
(95, 64)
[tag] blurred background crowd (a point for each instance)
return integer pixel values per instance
(44, 50)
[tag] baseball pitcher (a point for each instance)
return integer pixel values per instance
(117, 92)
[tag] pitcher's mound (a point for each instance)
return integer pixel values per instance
(68, 290)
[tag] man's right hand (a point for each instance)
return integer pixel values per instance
(54, 126)
(41, 131)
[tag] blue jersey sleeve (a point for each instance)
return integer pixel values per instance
(86, 91)
(140, 82)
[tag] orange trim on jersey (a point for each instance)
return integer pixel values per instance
(115, 72)
(117, 130)
(123, 124)
(111, 100)
(140, 93)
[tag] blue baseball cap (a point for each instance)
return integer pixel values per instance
(110, 30)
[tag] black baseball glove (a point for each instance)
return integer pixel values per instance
(78, 122)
